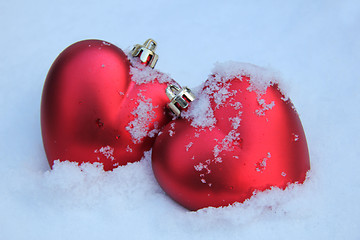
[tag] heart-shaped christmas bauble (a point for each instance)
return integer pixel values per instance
(98, 106)
(241, 135)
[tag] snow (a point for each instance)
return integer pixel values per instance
(314, 46)
(260, 166)
(200, 112)
(144, 114)
(107, 151)
(142, 74)
(216, 88)
(260, 78)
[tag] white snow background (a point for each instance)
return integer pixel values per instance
(313, 45)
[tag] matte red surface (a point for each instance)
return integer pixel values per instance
(270, 151)
(87, 103)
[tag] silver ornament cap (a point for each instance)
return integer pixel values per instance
(146, 52)
(179, 98)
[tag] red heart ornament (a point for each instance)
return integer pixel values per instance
(240, 135)
(97, 106)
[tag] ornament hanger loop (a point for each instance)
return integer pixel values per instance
(146, 52)
(179, 98)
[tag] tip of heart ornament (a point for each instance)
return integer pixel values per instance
(179, 98)
(146, 52)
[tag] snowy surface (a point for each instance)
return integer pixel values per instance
(216, 89)
(313, 45)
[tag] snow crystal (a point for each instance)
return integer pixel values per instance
(171, 133)
(107, 151)
(221, 95)
(236, 105)
(260, 166)
(128, 149)
(228, 143)
(155, 131)
(199, 167)
(295, 137)
(230, 140)
(187, 147)
(203, 166)
(106, 43)
(143, 117)
(235, 121)
(265, 107)
(217, 89)
(171, 130)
